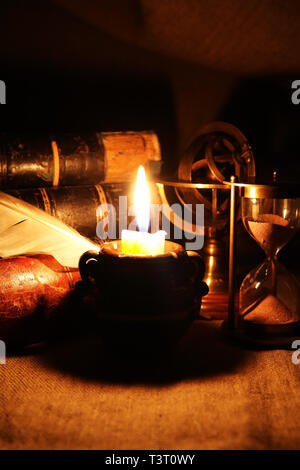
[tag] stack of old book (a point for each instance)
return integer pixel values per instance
(72, 178)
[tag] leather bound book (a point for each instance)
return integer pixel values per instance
(73, 159)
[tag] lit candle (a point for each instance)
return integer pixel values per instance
(142, 242)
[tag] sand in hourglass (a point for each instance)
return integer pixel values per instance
(270, 311)
(271, 232)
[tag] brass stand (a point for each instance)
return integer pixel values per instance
(232, 311)
(215, 304)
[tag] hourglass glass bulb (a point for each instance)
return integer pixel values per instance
(271, 231)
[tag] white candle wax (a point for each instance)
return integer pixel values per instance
(143, 243)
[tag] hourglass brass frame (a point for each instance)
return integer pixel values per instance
(251, 191)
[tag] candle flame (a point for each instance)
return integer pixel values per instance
(142, 201)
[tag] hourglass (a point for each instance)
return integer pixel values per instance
(269, 296)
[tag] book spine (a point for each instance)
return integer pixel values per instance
(83, 207)
(33, 290)
(44, 160)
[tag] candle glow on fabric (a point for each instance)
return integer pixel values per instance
(142, 242)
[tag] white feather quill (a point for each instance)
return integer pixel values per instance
(25, 229)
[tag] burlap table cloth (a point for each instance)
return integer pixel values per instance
(209, 394)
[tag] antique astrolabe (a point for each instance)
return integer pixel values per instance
(217, 151)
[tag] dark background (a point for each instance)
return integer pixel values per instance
(261, 108)
(170, 65)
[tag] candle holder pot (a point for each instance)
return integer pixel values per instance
(145, 302)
